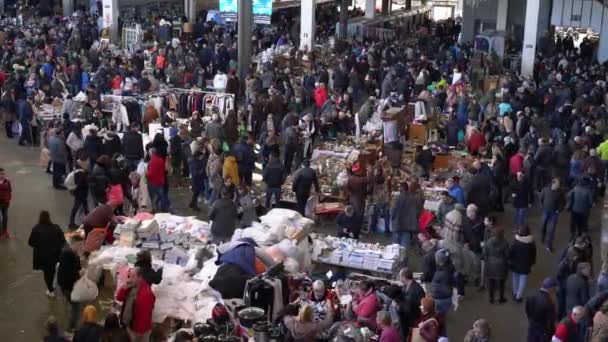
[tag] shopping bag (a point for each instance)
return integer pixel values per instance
(95, 239)
(45, 157)
(84, 290)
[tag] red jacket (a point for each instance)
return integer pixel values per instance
(115, 83)
(142, 309)
(476, 141)
(516, 164)
(156, 171)
(320, 96)
(6, 192)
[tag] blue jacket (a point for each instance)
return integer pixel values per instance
(245, 156)
(84, 80)
(457, 193)
(24, 110)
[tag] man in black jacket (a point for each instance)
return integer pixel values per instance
(541, 310)
(274, 176)
(409, 307)
(68, 272)
(522, 198)
(552, 201)
(133, 146)
(303, 180)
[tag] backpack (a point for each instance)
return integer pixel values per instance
(70, 180)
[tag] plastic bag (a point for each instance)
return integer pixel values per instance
(84, 290)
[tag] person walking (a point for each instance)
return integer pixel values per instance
(59, 157)
(197, 173)
(479, 333)
(541, 312)
(133, 146)
(80, 192)
(405, 213)
(522, 198)
(578, 286)
(47, 240)
(569, 329)
(552, 202)
(224, 216)
(68, 273)
(90, 331)
(303, 181)
(496, 256)
(274, 176)
(156, 178)
(579, 203)
(522, 256)
(138, 303)
(6, 195)
(112, 331)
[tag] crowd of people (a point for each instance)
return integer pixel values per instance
(536, 141)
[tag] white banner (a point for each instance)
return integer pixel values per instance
(108, 15)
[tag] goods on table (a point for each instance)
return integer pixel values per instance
(352, 253)
(168, 237)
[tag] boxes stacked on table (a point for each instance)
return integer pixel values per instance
(167, 237)
(354, 254)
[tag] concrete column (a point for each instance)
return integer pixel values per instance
(530, 33)
(343, 19)
(190, 10)
(370, 9)
(110, 18)
(385, 7)
(68, 7)
(245, 24)
(307, 27)
(501, 15)
(602, 48)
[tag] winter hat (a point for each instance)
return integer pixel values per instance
(549, 283)
(454, 217)
(428, 304)
(442, 256)
(89, 314)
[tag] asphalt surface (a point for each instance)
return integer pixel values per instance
(24, 306)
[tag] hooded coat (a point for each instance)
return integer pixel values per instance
(522, 254)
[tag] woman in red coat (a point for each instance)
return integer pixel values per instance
(138, 303)
(156, 180)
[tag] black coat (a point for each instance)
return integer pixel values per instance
(303, 181)
(577, 291)
(409, 307)
(68, 271)
(443, 282)
(274, 174)
(541, 311)
(428, 266)
(478, 192)
(112, 146)
(88, 332)
(523, 194)
(496, 255)
(132, 144)
(47, 242)
(522, 254)
(223, 213)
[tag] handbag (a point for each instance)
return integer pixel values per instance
(84, 290)
(416, 336)
(95, 239)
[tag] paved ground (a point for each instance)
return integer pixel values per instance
(24, 306)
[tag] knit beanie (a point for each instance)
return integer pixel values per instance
(89, 314)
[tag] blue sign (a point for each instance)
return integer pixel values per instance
(262, 7)
(229, 6)
(262, 10)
